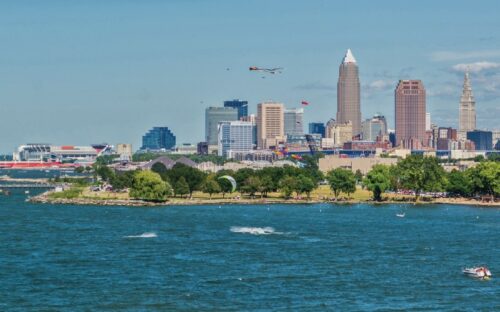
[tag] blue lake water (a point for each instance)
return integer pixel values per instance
(280, 257)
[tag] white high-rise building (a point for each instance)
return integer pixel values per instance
(467, 113)
(235, 136)
(293, 121)
(428, 122)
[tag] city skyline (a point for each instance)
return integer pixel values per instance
(63, 84)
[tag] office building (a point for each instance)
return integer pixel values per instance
(410, 102)
(124, 151)
(339, 132)
(467, 112)
(348, 93)
(158, 138)
(293, 119)
(317, 128)
(445, 138)
(241, 106)
(428, 122)
(202, 148)
(482, 139)
(234, 136)
(374, 128)
(214, 115)
(270, 124)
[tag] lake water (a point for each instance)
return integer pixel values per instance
(281, 257)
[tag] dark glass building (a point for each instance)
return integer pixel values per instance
(202, 148)
(158, 138)
(242, 107)
(317, 128)
(483, 140)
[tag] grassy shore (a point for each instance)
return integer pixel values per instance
(83, 195)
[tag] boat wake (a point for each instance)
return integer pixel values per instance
(254, 230)
(143, 235)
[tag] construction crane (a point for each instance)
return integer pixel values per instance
(312, 144)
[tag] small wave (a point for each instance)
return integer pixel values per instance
(254, 230)
(143, 235)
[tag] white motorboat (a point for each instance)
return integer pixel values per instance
(400, 215)
(478, 272)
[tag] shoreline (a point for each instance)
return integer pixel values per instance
(45, 199)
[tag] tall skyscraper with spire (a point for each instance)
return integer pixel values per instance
(348, 97)
(467, 113)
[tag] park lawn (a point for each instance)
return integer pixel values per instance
(321, 193)
(71, 193)
(103, 195)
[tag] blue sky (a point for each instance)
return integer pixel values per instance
(81, 72)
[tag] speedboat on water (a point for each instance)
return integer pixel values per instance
(478, 272)
(400, 215)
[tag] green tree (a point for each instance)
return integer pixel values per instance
(418, 173)
(106, 159)
(211, 186)
(104, 172)
(161, 170)
(123, 180)
(311, 167)
(458, 184)
(287, 186)
(341, 180)
(242, 175)
(378, 180)
(181, 187)
(485, 178)
(266, 185)
(193, 176)
(304, 184)
(358, 176)
(479, 158)
(251, 185)
(80, 169)
(494, 156)
(149, 186)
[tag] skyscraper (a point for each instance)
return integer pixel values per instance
(235, 136)
(467, 112)
(158, 138)
(293, 119)
(214, 115)
(241, 106)
(348, 97)
(410, 113)
(270, 124)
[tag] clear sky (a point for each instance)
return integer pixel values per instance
(82, 72)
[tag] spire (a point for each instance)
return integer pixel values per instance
(349, 58)
(467, 90)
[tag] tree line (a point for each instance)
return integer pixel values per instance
(415, 173)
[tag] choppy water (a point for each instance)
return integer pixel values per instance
(296, 257)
